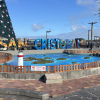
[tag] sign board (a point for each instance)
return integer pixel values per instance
(38, 68)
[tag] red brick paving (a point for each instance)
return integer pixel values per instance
(66, 86)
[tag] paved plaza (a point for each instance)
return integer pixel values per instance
(87, 88)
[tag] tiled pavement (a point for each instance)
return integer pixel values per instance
(59, 91)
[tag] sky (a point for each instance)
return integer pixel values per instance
(66, 19)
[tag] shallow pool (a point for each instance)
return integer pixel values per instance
(79, 58)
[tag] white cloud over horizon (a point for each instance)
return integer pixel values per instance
(78, 27)
(37, 27)
(65, 19)
(86, 2)
(70, 35)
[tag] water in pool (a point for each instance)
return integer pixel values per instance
(79, 58)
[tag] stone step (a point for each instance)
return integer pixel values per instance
(52, 78)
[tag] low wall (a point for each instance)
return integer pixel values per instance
(26, 52)
(81, 51)
(40, 76)
(5, 57)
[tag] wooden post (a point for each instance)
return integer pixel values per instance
(7, 68)
(66, 67)
(79, 66)
(24, 69)
(74, 66)
(48, 69)
(1, 68)
(28, 69)
(4, 68)
(69, 67)
(92, 64)
(17, 69)
(51, 69)
(20, 69)
(14, 69)
(54, 69)
(10, 68)
(58, 68)
(82, 65)
(88, 65)
(63, 68)
(96, 64)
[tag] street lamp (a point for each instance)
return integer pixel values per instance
(46, 34)
(88, 37)
(92, 32)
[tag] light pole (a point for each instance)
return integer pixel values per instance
(46, 34)
(92, 32)
(88, 37)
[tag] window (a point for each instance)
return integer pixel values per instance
(0, 6)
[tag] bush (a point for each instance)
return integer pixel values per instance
(30, 58)
(42, 61)
(47, 58)
(74, 62)
(86, 57)
(62, 58)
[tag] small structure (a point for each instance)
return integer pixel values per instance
(20, 58)
(53, 78)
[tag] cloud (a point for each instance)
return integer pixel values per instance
(70, 35)
(85, 2)
(37, 27)
(73, 28)
(78, 27)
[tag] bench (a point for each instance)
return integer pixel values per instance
(53, 78)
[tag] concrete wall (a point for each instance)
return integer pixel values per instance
(40, 76)
(25, 52)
